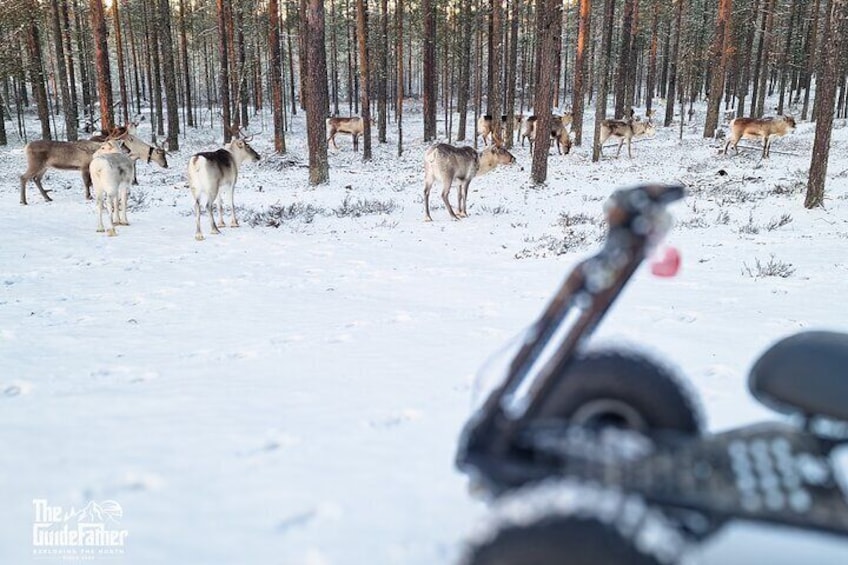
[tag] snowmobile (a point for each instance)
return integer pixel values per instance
(601, 456)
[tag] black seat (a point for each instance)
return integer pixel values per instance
(805, 373)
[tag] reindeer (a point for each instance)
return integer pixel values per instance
(762, 128)
(76, 155)
(484, 126)
(138, 148)
(355, 126)
(625, 130)
(215, 172)
(111, 171)
(62, 155)
(445, 163)
(559, 134)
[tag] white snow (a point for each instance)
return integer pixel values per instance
(294, 394)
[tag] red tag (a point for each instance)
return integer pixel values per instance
(666, 263)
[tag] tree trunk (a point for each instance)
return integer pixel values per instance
(399, 94)
(549, 22)
(651, 85)
(464, 82)
(430, 73)
(511, 71)
(811, 56)
(119, 53)
(275, 69)
(101, 55)
(224, 77)
(719, 52)
(768, 27)
(317, 97)
(624, 58)
(603, 70)
(784, 57)
(186, 75)
(494, 98)
(67, 105)
(382, 72)
(672, 69)
(584, 35)
(833, 42)
(362, 32)
(156, 79)
(169, 73)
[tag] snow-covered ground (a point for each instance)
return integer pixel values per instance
(293, 394)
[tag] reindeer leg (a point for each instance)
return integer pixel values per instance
(463, 198)
(332, 139)
(220, 201)
(24, 179)
(234, 223)
(113, 213)
(86, 181)
(445, 194)
(427, 187)
(356, 142)
(99, 205)
(124, 196)
(198, 235)
(620, 143)
(629, 154)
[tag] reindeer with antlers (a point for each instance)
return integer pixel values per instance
(214, 173)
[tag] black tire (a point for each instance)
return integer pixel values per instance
(558, 540)
(624, 390)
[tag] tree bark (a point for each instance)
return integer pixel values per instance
(584, 35)
(603, 70)
(430, 74)
(101, 56)
(169, 74)
(364, 76)
(224, 77)
(494, 97)
(119, 55)
(549, 22)
(67, 105)
(719, 52)
(463, 81)
(624, 58)
(833, 42)
(276, 69)
(382, 72)
(317, 97)
(186, 74)
(672, 69)
(399, 94)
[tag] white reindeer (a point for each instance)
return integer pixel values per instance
(214, 173)
(111, 171)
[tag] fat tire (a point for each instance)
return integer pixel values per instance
(660, 398)
(558, 540)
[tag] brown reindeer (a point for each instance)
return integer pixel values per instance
(352, 125)
(484, 126)
(76, 155)
(759, 128)
(445, 163)
(559, 134)
(624, 130)
(62, 155)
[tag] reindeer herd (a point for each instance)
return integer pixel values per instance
(107, 161)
